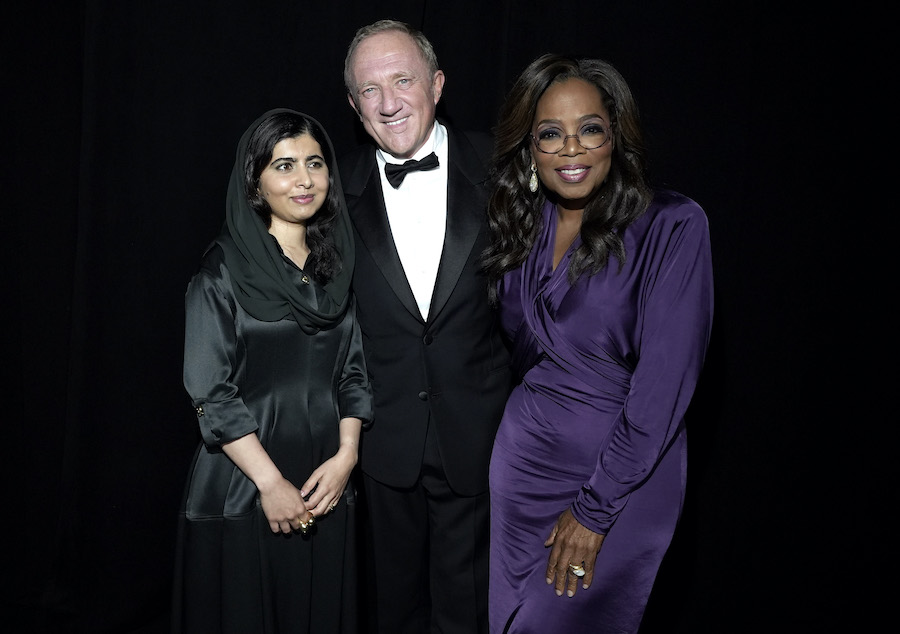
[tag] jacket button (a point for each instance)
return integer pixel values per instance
(423, 396)
(428, 339)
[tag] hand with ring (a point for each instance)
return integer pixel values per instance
(310, 520)
(283, 506)
(573, 554)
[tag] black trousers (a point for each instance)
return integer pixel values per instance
(427, 554)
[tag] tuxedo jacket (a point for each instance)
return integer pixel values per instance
(451, 370)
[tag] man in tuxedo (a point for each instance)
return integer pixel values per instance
(438, 367)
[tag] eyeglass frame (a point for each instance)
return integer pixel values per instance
(577, 138)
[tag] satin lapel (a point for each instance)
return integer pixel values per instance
(466, 207)
(369, 216)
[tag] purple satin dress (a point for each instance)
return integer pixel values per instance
(608, 369)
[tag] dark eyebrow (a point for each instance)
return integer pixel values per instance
(581, 119)
(291, 159)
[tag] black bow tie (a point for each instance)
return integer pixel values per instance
(396, 173)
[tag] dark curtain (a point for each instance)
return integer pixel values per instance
(121, 120)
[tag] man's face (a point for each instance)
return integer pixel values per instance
(395, 97)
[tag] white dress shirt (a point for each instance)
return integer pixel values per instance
(417, 212)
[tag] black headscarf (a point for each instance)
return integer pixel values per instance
(260, 281)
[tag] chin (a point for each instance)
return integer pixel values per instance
(401, 146)
(402, 152)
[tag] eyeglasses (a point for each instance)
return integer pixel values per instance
(552, 140)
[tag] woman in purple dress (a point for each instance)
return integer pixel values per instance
(605, 290)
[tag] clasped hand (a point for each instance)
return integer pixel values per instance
(288, 508)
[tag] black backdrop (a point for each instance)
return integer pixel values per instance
(121, 120)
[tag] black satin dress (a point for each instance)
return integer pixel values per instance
(233, 575)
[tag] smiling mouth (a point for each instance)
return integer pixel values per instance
(573, 174)
(397, 122)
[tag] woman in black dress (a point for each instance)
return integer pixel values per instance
(274, 367)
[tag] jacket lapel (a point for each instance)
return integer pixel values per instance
(466, 207)
(366, 206)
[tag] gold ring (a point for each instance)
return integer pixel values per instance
(305, 526)
(332, 506)
(578, 571)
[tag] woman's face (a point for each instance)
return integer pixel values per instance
(574, 174)
(295, 182)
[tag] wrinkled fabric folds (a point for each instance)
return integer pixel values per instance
(280, 358)
(608, 368)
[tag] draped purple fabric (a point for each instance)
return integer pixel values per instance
(608, 368)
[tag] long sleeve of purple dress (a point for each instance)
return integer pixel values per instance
(674, 300)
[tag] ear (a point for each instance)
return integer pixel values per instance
(353, 105)
(437, 85)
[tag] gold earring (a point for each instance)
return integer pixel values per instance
(533, 183)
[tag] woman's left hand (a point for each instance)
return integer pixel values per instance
(571, 544)
(327, 483)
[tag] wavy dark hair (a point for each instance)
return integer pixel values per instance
(324, 260)
(514, 212)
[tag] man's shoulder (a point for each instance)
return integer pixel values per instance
(355, 155)
(471, 151)
(355, 164)
(480, 142)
